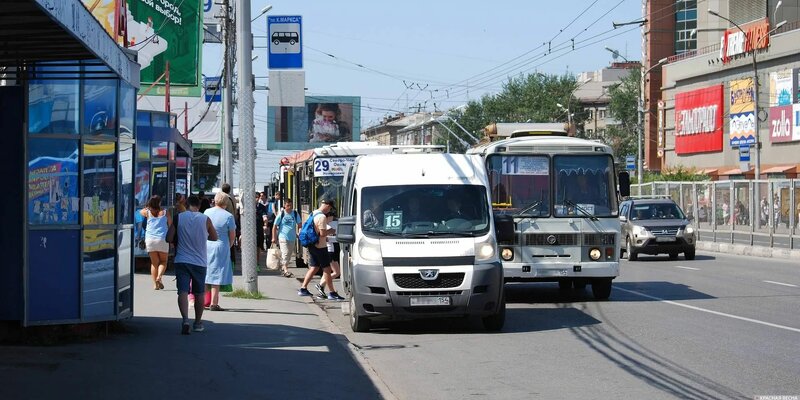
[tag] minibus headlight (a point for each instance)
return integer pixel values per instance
(507, 254)
(595, 254)
(368, 250)
(485, 251)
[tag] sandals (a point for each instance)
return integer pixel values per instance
(287, 274)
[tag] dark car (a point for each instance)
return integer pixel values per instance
(655, 226)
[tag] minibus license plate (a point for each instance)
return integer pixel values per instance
(430, 301)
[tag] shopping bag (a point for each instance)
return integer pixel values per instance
(273, 257)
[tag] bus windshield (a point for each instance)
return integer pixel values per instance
(520, 184)
(424, 210)
(584, 186)
(328, 187)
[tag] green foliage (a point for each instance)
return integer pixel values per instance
(243, 294)
(677, 173)
(529, 98)
(624, 101)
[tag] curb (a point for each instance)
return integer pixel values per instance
(747, 250)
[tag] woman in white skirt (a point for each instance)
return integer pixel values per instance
(155, 238)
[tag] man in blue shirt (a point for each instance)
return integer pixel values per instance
(284, 232)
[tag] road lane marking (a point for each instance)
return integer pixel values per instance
(781, 283)
(722, 314)
(691, 268)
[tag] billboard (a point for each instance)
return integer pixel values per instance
(110, 14)
(781, 88)
(167, 31)
(742, 113)
(323, 119)
(784, 126)
(698, 120)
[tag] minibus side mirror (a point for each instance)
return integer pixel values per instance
(504, 228)
(345, 231)
(624, 179)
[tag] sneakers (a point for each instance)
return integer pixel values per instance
(320, 296)
(335, 296)
(185, 329)
(303, 292)
(198, 327)
(319, 289)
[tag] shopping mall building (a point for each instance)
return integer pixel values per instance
(701, 103)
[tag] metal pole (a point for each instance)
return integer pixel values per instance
(246, 144)
(227, 97)
(639, 129)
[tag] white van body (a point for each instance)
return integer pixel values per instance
(433, 262)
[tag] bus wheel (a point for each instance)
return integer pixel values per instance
(601, 288)
(357, 322)
(579, 284)
(564, 285)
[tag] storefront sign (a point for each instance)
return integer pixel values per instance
(781, 124)
(781, 88)
(733, 42)
(742, 128)
(662, 109)
(698, 120)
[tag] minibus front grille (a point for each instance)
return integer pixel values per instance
(598, 239)
(550, 239)
(415, 281)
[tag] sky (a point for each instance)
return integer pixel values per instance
(436, 55)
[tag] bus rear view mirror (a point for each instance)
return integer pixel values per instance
(624, 180)
(504, 228)
(345, 231)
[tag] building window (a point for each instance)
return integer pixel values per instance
(685, 24)
(589, 132)
(601, 114)
(591, 113)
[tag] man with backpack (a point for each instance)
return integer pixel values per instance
(285, 232)
(313, 235)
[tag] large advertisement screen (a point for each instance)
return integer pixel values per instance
(323, 120)
(166, 30)
(742, 113)
(698, 120)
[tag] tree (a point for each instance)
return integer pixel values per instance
(623, 107)
(529, 98)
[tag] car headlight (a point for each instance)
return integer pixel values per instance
(640, 231)
(689, 229)
(485, 251)
(368, 250)
(595, 254)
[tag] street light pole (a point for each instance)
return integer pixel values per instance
(246, 144)
(227, 96)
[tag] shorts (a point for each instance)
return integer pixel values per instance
(159, 245)
(319, 257)
(185, 273)
(334, 255)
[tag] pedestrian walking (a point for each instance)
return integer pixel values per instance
(220, 267)
(190, 233)
(318, 252)
(155, 238)
(261, 219)
(284, 232)
(333, 252)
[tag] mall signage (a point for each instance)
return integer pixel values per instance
(784, 123)
(734, 42)
(698, 120)
(742, 123)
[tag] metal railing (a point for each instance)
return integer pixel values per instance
(727, 212)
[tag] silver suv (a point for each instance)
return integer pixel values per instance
(655, 226)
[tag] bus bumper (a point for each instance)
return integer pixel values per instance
(520, 272)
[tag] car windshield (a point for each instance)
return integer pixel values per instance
(520, 184)
(642, 212)
(424, 210)
(584, 185)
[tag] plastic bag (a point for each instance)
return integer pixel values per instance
(273, 257)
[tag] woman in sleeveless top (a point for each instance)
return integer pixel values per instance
(155, 238)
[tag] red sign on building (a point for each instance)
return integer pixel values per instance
(698, 120)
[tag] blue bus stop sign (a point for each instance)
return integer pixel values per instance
(285, 35)
(630, 162)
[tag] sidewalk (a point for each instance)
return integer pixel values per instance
(277, 348)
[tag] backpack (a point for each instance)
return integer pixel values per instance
(279, 221)
(308, 235)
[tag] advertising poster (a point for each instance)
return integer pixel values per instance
(742, 113)
(166, 30)
(781, 124)
(99, 177)
(109, 14)
(698, 120)
(53, 182)
(323, 120)
(781, 88)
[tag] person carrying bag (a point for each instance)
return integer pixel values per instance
(284, 234)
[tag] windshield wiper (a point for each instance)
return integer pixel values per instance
(533, 205)
(384, 232)
(581, 209)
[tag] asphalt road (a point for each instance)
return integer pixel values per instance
(718, 327)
